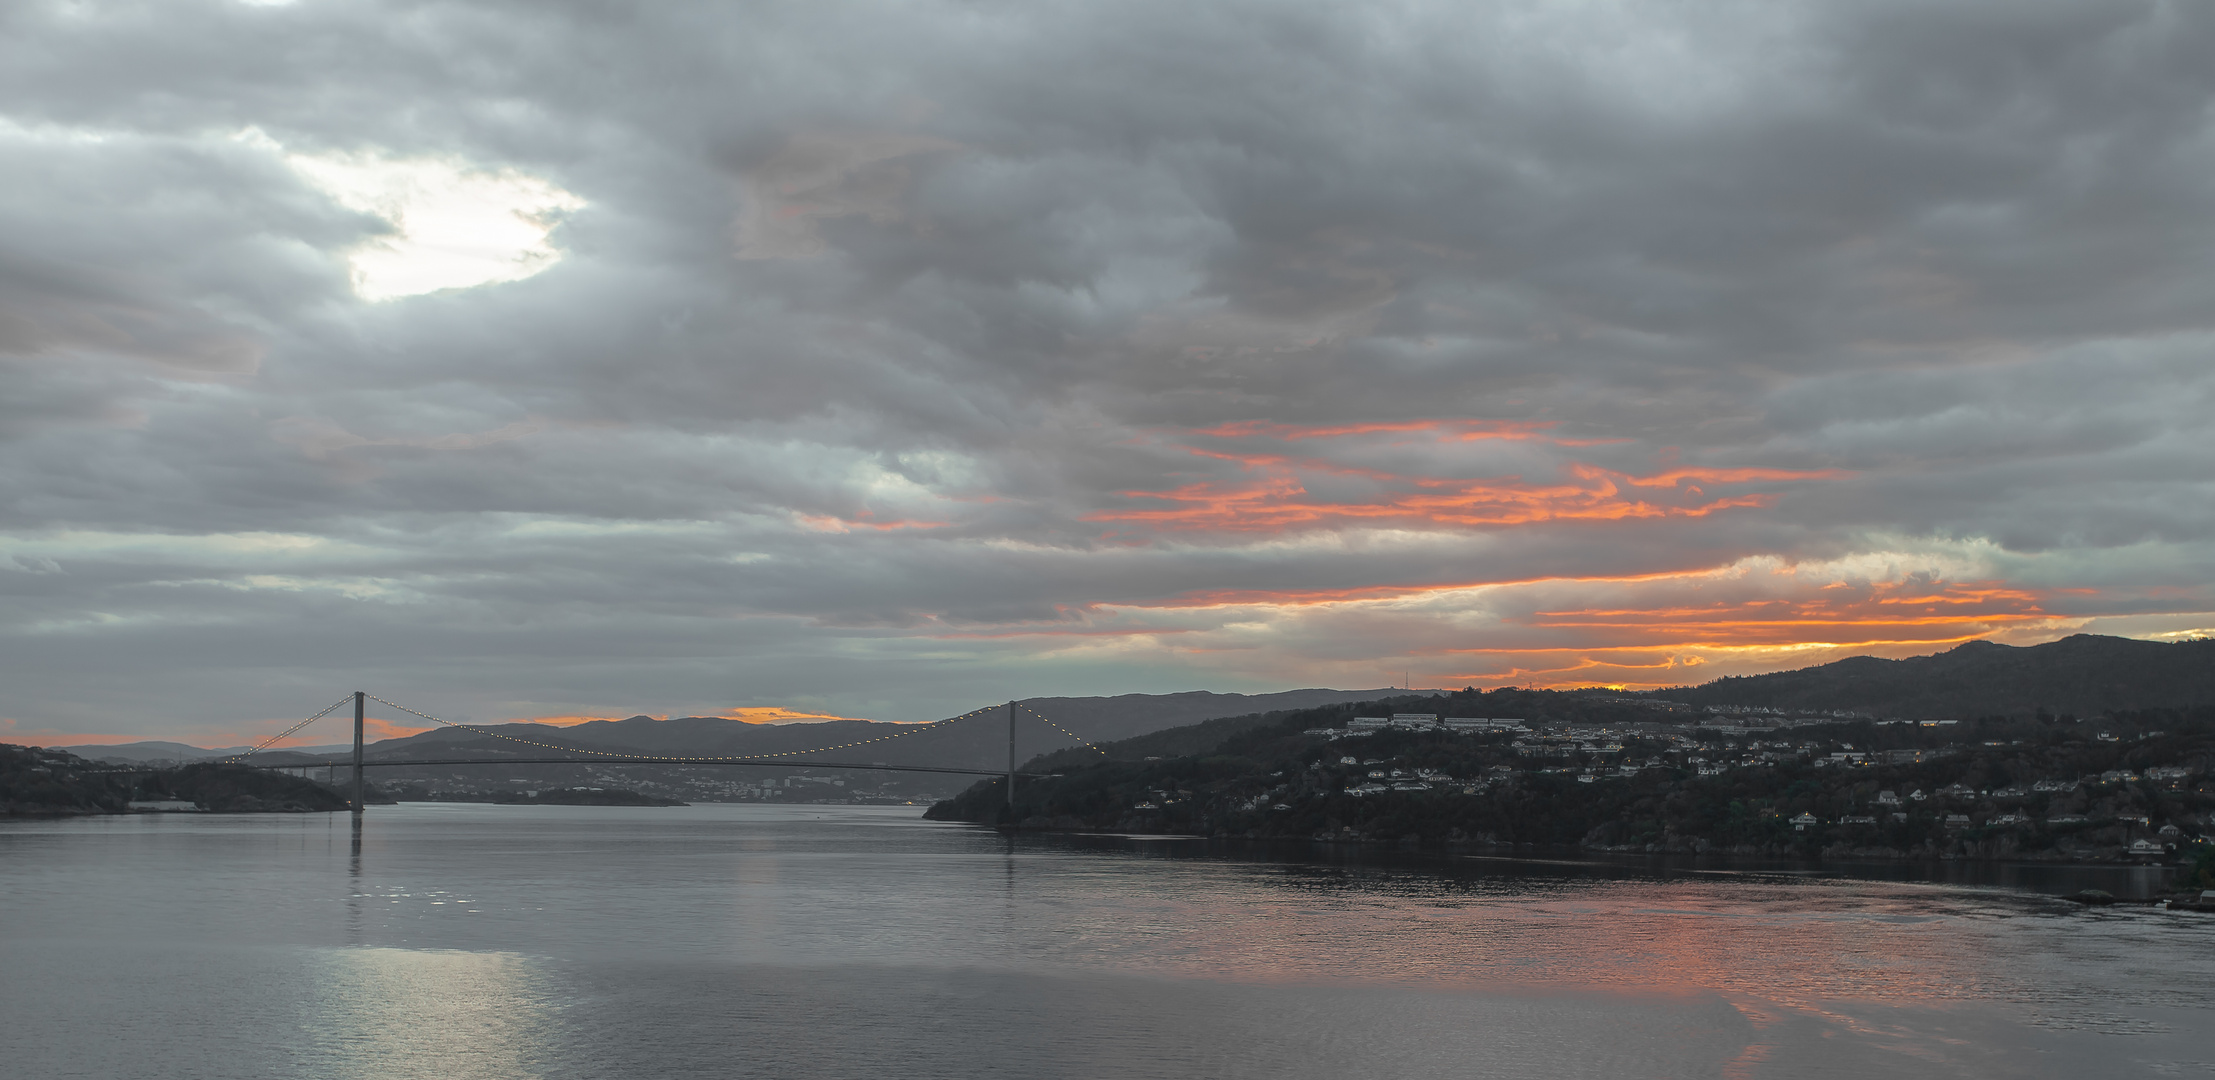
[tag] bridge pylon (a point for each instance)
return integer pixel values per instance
(358, 696)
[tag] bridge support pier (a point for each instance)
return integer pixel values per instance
(1011, 763)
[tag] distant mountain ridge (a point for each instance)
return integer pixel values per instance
(979, 741)
(2084, 675)
(137, 752)
(156, 750)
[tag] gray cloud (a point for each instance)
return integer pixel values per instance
(878, 337)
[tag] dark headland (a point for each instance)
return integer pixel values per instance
(37, 782)
(2092, 750)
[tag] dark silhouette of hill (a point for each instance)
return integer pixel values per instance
(40, 782)
(1197, 739)
(2082, 675)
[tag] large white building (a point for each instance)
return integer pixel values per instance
(1478, 723)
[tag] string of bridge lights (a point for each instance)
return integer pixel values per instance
(1057, 727)
(282, 735)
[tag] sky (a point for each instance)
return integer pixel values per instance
(584, 359)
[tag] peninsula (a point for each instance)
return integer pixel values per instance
(1603, 771)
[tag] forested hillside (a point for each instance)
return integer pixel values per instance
(37, 782)
(1978, 788)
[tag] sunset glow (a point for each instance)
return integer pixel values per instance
(1275, 491)
(775, 715)
(1302, 539)
(1646, 631)
(1451, 344)
(765, 714)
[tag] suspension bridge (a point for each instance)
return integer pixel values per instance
(572, 755)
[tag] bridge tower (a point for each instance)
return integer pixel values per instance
(357, 751)
(1011, 760)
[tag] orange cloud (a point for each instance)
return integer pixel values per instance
(1646, 630)
(748, 715)
(1308, 597)
(778, 715)
(1914, 609)
(1457, 430)
(560, 721)
(1276, 498)
(1661, 645)
(1275, 492)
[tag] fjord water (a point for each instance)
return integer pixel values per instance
(711, 941)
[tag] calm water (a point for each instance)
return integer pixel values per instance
(712, 941)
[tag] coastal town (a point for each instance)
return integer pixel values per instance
(2120, 788)
(1711, 748)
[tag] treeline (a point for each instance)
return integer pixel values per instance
(37, 782)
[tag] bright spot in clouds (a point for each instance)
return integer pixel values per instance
(454, 226)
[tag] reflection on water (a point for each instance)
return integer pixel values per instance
(403, 1014)
(462, 941)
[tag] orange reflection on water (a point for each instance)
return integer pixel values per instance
(1795, 942)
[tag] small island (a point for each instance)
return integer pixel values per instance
(37, 782)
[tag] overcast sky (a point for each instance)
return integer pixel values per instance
(590, 359)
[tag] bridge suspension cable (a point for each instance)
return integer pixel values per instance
(1087, 743)
(282, 735)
